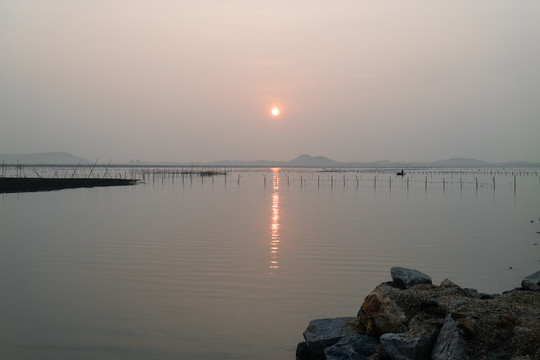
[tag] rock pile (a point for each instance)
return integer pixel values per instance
(410, 318)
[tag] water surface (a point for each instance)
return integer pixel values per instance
(189, 267)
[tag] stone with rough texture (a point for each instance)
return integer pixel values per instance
(406, 278)
(450, 344)
(380, 314)
(302, 351)
(466, 327)
(401, 348)
(322, 333)
(359, 347)
(498, 354)
(531, 282)
(473, 293)
(446, 283)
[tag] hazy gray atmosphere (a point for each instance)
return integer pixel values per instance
(196, 81)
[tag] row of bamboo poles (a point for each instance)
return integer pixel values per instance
(302, 176)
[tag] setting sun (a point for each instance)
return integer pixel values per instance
(275, 111)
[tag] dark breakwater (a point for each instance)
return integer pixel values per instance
(13, 185)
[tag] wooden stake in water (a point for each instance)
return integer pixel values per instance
(75, 170)
(92, 168)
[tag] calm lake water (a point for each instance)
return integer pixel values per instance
(235, 266)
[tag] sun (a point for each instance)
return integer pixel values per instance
(275, 111)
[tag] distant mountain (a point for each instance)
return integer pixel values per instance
(63, 158)
(313, 161)
(447, 163)
(324, 162)
(46, 158)
(461, 162)
(301, 161)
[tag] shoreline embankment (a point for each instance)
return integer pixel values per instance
(17, 185)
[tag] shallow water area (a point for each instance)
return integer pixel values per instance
(234, 266)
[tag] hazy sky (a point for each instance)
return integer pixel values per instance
(196, 80)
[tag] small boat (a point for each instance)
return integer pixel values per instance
(401, 173)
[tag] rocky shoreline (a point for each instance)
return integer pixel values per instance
(410, 318)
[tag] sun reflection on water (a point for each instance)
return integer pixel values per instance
(274, 227)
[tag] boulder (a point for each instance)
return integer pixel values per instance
(466, 327)
(359, 347)
(406, 278)
(447, 283)
(302, 351)
(380, 314)
(322, 333)
(399, 347)
(531, 282)
(450, 344)
(473, 293)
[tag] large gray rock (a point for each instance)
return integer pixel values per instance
(406, 278)
(322, 333)
(531, 282)
(450, 344)
(359, 347)
(380, 314)
(401, 348)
